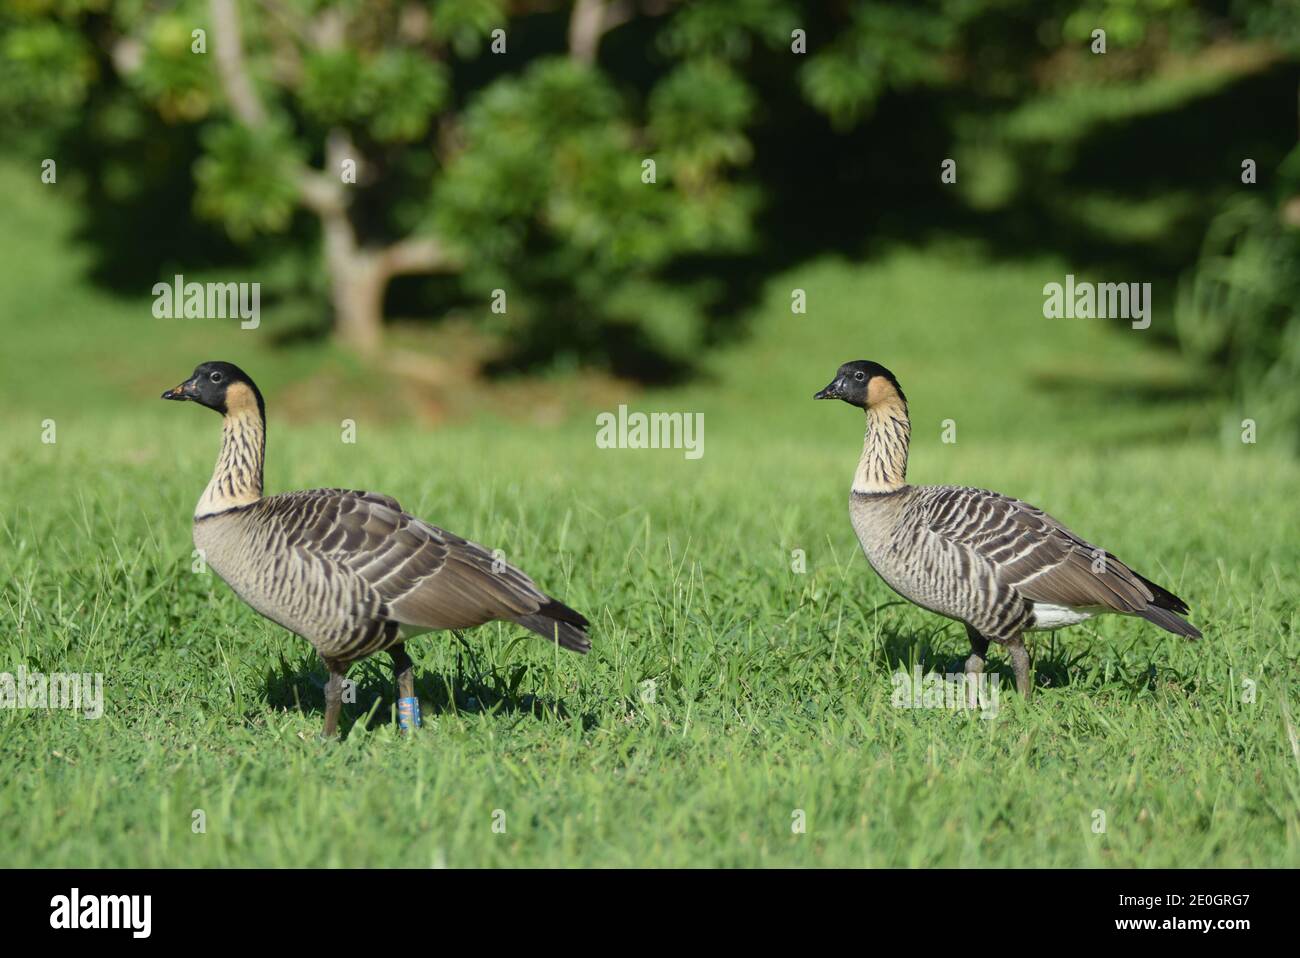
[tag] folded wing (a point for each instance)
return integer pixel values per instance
(1043, 561)
(425, 576)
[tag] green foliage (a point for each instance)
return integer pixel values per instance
(1278, 22)
(530, 164)
(849, 63)
(246, 178)
(728, 28)
(402, 93)
(44, 66)
(172, 75)
(549, 184)
(1129, 22)
(465, 23)
(551, 148)
(1239, 312)
(393, 95)
(698, 115)
(885, 46)
(525, 138)
(331, 85)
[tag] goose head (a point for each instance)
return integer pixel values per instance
(864, 384)
(220, 386)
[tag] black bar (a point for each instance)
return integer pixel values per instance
(1074, 906)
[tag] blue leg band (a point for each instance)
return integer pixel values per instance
(408, 713)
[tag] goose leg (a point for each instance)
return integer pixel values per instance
(333, 703)
(1020, 662)
(979, 647)
(408, 706)
(403, 671)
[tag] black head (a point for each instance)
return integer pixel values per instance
(220, 386)
(862, 383)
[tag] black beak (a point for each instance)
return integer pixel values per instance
(186, 390)
(832, 390)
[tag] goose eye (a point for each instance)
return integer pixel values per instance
(859, 376)
(215, 377)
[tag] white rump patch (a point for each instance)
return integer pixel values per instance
(1047, 616)
(405, 631)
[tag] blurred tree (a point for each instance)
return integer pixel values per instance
(1238, 308)
(452, 136)
(570, 154)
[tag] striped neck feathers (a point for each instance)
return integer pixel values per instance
(237, 479)
(883, 466)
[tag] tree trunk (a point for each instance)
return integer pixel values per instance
(356, 281)
(358, 276)
(357, 293)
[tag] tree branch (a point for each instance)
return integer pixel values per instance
(417, 254)
(321, 192)
(231, 68)
(591, 20)
(358, 275)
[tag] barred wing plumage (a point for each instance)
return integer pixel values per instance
(425, 577)
(1044, 561)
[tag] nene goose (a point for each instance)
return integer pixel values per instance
(348, 571)
(996, 564)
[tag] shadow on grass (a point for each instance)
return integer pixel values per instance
(1057, 664)
(940, 650)
(299, 685)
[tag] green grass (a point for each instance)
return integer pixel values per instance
(772, 688)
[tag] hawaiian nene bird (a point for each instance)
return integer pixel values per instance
(350, 572)
(996, 564)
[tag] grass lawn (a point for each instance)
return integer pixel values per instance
(771, 688)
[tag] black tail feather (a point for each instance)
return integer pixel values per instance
(556, 609)
(1163, 608)
(1170, 622)
(557, 622)
(1163, 598)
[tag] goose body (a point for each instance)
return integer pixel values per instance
(353, 573)
(350, 571)
(997, 564)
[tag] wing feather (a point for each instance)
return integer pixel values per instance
(1034, 554)
(424, 576)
